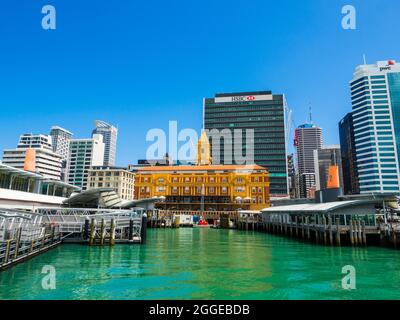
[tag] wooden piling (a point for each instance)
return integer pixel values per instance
(112, 232)
(302, 228)
(286, 227)
(351, 232)
(308, 228)
(355, 232)
(325, 236)
(291, 228)
(130, 236)
(7, 253)
(330, 231)
(296, 226)
(338, 232)
(359, 234)
(364, 235)
(102, 232)
(92, 231)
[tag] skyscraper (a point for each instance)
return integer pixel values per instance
(84, 153)
(349, 157)
(292, 177)
(308, 137)
(375, 94)
(110, 135)
(35, 153)
(60, 140)
(235, 116)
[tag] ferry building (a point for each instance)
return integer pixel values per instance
(205, 186)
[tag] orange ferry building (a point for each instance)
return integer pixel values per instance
(205, 186)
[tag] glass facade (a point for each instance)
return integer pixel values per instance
(394, 85)
(348, 153)
(247, 110)
(376, 122)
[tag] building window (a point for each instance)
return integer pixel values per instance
(224, 189)
(211, 190)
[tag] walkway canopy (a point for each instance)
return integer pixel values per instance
(106, 198)
(323, 208)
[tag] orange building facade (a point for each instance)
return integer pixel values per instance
(205, 187)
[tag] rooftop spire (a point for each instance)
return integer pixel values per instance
(310, 114)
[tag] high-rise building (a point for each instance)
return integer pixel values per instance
(292, 177)
(110, 135)
(84, 153)
(375, 94)
(60, 140)
(308, 137)
(326, 161)
(246, 119)
(349, 158)
(34, 153)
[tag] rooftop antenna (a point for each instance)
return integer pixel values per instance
(310, 114)
(365, 58)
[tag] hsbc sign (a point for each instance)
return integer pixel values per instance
(265, 97)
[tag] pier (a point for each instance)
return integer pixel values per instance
(97, 226)
(339, 223)
(24, 235)
(355, 223)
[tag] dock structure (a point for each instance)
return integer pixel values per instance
(22, 236)
(97, 226)
(176, 218)
(26, 234)
(356, 223)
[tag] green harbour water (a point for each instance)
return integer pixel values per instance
(207, 264)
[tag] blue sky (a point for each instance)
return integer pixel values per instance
(139, 64)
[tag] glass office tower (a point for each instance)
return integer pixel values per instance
(260, 111)
(375, 92)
